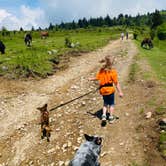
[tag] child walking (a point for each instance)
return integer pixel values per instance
(107, 77)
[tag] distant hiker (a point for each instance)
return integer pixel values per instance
(122, 35)
(127, 35)
(107, 77)
(2, 47)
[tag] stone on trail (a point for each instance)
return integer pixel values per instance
(60, 163)
(148, 115)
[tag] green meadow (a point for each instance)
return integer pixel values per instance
(39, 60)
(155, 56)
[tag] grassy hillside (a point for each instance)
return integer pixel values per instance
(39, 60)
(156, 57)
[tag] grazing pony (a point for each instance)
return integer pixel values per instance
(44, 34)
(88, 153)
(2, 47)
(147, 43)
(45, 127)
(28, 39)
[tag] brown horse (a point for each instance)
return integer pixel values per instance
(44, 34)
(147, 43)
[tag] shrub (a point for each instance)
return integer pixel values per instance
(152, 34)
(135, 34)
(161, 32)
(67, 42)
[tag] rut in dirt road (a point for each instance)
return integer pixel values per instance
(21, 132)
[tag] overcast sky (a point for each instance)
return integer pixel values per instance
(27, 13)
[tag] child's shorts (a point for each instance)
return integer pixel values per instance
(109, 100)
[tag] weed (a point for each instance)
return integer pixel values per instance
(132, 73)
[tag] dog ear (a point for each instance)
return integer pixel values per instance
(98, 141)
(43, 107)
(88, 138)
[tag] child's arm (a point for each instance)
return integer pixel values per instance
(92, 79)
(119, 90)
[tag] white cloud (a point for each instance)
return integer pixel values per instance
(55, 11)
(3, 14)
(27, 18)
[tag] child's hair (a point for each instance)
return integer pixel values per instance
(108, 60)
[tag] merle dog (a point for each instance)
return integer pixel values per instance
(28, 39)
(88, 153)
(2, 47)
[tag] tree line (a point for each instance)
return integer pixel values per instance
(150, 19)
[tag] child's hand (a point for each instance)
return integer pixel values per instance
(120, 94)
(91, 79)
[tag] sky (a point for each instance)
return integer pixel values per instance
(40, 13)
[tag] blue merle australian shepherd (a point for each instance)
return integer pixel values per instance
(88, 153)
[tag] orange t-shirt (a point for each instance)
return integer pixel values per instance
(106, 76)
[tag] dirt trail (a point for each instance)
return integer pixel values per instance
(20, 142)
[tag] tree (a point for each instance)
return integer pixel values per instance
(156, 19)
(73, 25)
(51, 27)
(108, 21)
(21, 29)
(32, 29)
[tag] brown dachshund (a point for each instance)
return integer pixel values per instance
(45, 127)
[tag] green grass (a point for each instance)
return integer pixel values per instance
(20, 61)
(156, 57)
(133, 70)
(157, 60)
(162, 144)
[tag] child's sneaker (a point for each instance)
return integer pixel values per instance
(111, 119)
(104, 117)
(103, 120)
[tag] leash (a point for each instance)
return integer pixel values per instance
(70, 101)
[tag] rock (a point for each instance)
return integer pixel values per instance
(75, 148)
(31, 162)
(94, 99)
(58, 129)
(49, 52)
(69, 144)
(79, 139)
(74, 87)
(52, 164)
(83, 103)
(64, 146)
(67, 162)
(103, 154)
(4, 68)
(126, 114)
(57, 147)
(121, 144)
(51, 150)
(61, 163)
(148, 115)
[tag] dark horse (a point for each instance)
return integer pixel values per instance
(2, 47)
(28, 39)
(147, 43)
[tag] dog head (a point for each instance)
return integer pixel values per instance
(88, 152)
(95, 139)
(43, 108)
